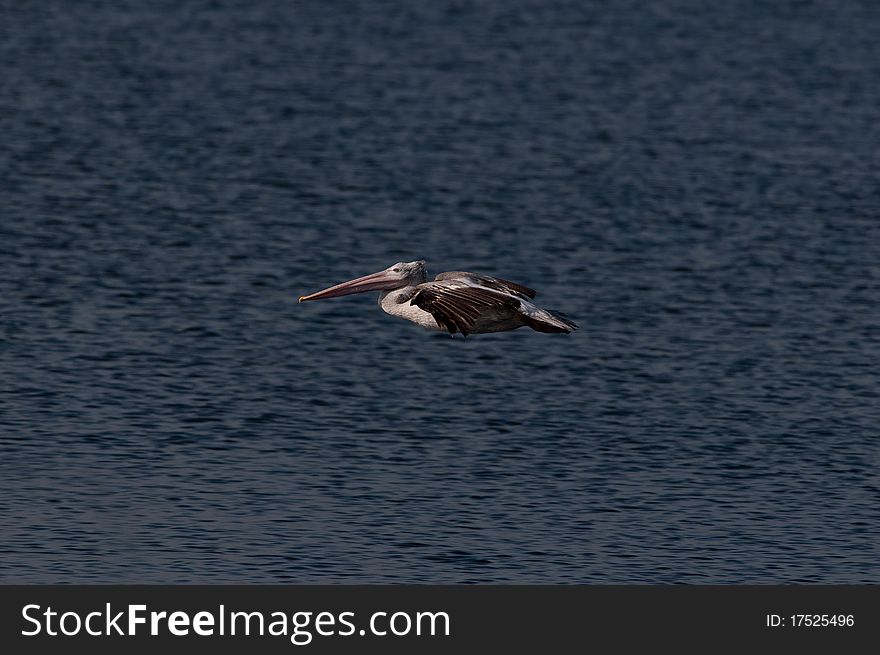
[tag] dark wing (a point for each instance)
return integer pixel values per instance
(457, 306)
(505, 286)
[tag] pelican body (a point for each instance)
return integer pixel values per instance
(455, 301)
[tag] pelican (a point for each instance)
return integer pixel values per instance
(455, 301)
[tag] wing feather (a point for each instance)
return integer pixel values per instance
(496, 283)
(457, 305)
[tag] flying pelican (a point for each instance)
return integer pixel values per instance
(455, 301)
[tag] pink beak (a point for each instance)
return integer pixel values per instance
(373, 282)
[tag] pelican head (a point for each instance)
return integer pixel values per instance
(396, 276)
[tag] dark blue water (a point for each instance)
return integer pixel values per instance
(697, 184)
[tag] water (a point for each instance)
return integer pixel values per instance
(696, 185)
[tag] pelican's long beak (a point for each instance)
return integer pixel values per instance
(373, 282)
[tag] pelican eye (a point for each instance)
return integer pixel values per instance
(396, 270)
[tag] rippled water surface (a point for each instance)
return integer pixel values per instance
(697, 184)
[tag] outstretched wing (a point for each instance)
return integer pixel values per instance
(496, 283)
(457, 305)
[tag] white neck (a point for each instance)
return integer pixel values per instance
(390, 302)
